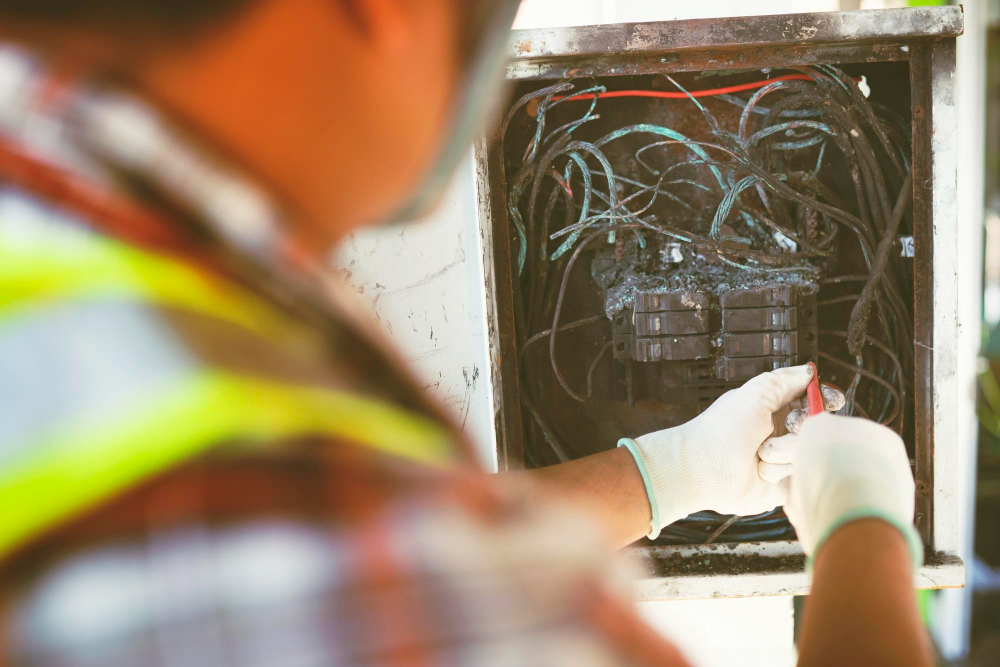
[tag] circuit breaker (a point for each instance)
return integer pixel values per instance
(717, 342)
(670, 209)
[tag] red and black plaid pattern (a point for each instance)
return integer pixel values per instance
(320, 553)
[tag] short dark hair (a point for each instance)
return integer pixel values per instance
(169, 17)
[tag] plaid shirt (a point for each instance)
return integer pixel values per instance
(308, 547)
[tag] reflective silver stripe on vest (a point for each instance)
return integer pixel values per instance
(75, 364)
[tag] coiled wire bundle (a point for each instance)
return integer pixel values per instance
(818, 146)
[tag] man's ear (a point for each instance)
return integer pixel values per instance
(383, 22)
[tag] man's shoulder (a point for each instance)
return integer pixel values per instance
(361, 558)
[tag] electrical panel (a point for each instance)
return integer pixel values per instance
(673, 209)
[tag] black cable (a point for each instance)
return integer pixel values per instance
(901, 396)
(859, 316)
(871, 376)
(565, 327)
(593, 365)
(838, 299)
(872, 149)
(558, 309)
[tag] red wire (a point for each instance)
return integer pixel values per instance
(677, 95)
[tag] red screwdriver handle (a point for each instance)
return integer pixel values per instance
(813, 394)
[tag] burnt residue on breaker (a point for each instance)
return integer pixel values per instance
(697, 325)
(673, 267)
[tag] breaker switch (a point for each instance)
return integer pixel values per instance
(785, 295)
(760, 344)
(654, 302)
(760, 319)
(671, 323)
(741, 369)
(662, 348)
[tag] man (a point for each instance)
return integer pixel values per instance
(203, 462)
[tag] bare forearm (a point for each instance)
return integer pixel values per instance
(862, 608)
(607, 487)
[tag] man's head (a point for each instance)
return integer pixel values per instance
(340, 106)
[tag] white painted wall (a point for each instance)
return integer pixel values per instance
(424, 283)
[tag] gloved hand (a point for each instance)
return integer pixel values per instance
(711, 462)
(843, 469)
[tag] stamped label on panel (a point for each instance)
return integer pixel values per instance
(907, 246)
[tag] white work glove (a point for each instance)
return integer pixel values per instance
(844, 469)
(711, 462)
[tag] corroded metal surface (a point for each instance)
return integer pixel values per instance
(923, 297)
(728, 43)
(738, 33)
(708, 59)
(501, 314)
(935, 288)
(752, 569)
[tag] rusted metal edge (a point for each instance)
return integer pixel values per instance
(749, 576)
(921, 105)
(738, 32)
(503, 348)
(484, 200)
(697, 61)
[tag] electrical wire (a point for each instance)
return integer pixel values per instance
(541, 335)
(871, 376)
(816, 116)
(671, 95)
(898, 395)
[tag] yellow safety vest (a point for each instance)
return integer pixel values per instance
(73, 462)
